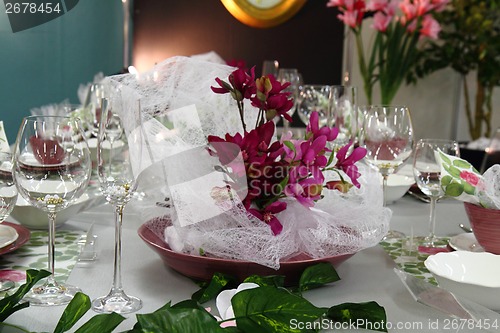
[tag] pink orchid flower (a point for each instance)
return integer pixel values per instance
(268, 215)
(305, 191)
(313, 130)
(347, 163)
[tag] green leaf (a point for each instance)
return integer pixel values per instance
(102, 323)
(462, 164)
(218, 282)
(9, 304)
(317, 275)
(446, 180)
(454, 189)
(269, 309)
(445, 158)
(270, 280)
(78, 306)
(469, 189)
(179, 320)
(454, 172)
(369, 315)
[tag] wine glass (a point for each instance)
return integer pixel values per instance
(314, 98)
(388, 140)
(270, 67)
(118, 153)
(8, 199)
(293, 76)
(344, 113)
(51, 170)
(427, 172)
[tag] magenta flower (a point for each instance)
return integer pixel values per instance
(347, 163)
(313, 130)
(305, 191)
(268, 215)
(271, 99)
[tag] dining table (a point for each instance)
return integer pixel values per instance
(367, 276)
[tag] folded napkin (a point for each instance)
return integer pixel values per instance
(463, 182)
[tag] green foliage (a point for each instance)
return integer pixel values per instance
(370, 314)
(269, 308)
(10, 304)
(469, 41)
(317, 276)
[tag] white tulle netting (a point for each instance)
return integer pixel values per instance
(184, 198)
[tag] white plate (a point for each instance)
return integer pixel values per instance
(465, 242)
(8, 235)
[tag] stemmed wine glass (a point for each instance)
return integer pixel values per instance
(427, 172)
(293, 76)
(116, 151)
(314, 98)
(344, 113)
(8, 199)
(388, 139)
(51, 170)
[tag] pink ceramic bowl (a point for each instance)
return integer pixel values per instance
(485, 224)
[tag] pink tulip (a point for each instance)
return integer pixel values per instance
(430, 27)
(377, 5)
(381, 21)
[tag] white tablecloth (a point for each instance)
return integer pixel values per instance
(365, 277)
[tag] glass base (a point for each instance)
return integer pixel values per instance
(6, 285)
(51, 294)
(391, 234)
(117, 302)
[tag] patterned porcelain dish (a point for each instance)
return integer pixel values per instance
(468, 274)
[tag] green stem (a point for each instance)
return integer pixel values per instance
(365, 73)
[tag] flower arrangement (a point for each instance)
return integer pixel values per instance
(470, 41)
(397, 39)
(285, 168)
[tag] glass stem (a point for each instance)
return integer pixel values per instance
(432, 220)
(52, 244)
(384, 188)
(117, 272)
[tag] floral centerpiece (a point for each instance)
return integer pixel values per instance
(400, 29)
(234, 190)
(286, 168)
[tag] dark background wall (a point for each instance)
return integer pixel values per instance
(46, 64)
(310, 41)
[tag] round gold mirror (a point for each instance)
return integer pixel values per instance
(263, 13)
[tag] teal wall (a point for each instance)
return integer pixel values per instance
(46, 64)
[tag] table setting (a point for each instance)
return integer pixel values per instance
(187, 186)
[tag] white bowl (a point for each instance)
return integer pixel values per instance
(35, 218)
(397, 186)
(469, 274)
